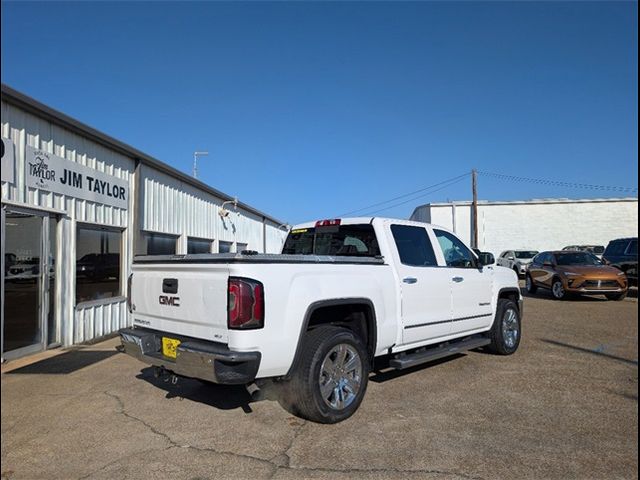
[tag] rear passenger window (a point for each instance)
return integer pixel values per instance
(414, 246)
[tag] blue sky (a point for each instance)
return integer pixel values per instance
(310, 110)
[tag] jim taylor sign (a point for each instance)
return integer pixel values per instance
(46, 171)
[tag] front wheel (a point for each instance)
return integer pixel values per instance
(557, 289)
(330, 380)
(529, 285)
(506, 330)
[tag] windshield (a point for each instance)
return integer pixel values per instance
(577, 258)
(343, 240)
(526, 254)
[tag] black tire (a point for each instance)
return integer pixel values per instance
(302, 396)
(616, 297)
(530, 286)
(502, 343)
(557, 289)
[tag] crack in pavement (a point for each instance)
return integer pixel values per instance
(174, 444)
(283, 459)
(118, 460)
(272, 462)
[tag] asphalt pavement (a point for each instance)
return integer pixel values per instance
(564, 406)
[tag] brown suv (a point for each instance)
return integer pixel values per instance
(575, 272)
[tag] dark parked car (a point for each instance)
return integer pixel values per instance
(567, 271)
(623, 254)
(99, 266)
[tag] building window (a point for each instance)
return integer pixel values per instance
(97, 263)
(225, 247)
(197, 245)
(159, 244)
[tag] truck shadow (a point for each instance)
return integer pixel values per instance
(383, 373)
(231, 397)
(224, 397)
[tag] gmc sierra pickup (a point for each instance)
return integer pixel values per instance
(313, 318)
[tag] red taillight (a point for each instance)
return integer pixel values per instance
(328, 223)
(246, 304)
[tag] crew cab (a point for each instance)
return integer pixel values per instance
(313, 319)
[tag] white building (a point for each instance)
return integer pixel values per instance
(77, 205)
(547, 224)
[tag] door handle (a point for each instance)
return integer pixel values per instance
(458, 279)
(410, 280)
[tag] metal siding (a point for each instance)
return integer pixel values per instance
(84, 324)
(175, 208)
(98, 321)
(275, 238)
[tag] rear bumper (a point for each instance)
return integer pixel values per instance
(195, 358)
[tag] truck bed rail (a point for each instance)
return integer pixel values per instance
(257, 258)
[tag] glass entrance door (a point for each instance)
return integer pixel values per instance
(28, 281)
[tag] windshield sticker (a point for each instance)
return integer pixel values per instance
(300, 230)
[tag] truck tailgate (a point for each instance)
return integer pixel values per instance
(187, 299)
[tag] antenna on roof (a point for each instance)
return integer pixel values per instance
(195, 162)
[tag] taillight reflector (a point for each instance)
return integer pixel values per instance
(245, 304)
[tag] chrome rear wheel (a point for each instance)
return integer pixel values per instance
(340, 376)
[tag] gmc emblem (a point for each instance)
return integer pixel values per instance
(167, 300)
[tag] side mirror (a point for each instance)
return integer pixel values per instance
(486, 258)
(510, 258)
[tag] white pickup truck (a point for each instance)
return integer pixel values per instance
(313, 318)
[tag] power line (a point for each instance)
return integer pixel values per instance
(558, 183)
(456, 180)
(459, 177)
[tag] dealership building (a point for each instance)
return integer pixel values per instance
(77, 205)
(545, 224)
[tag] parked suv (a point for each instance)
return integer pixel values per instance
(567, 271)
(623, 254)
(517, 260)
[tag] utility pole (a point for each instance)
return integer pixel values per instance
(474, 188)
(195, 162)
